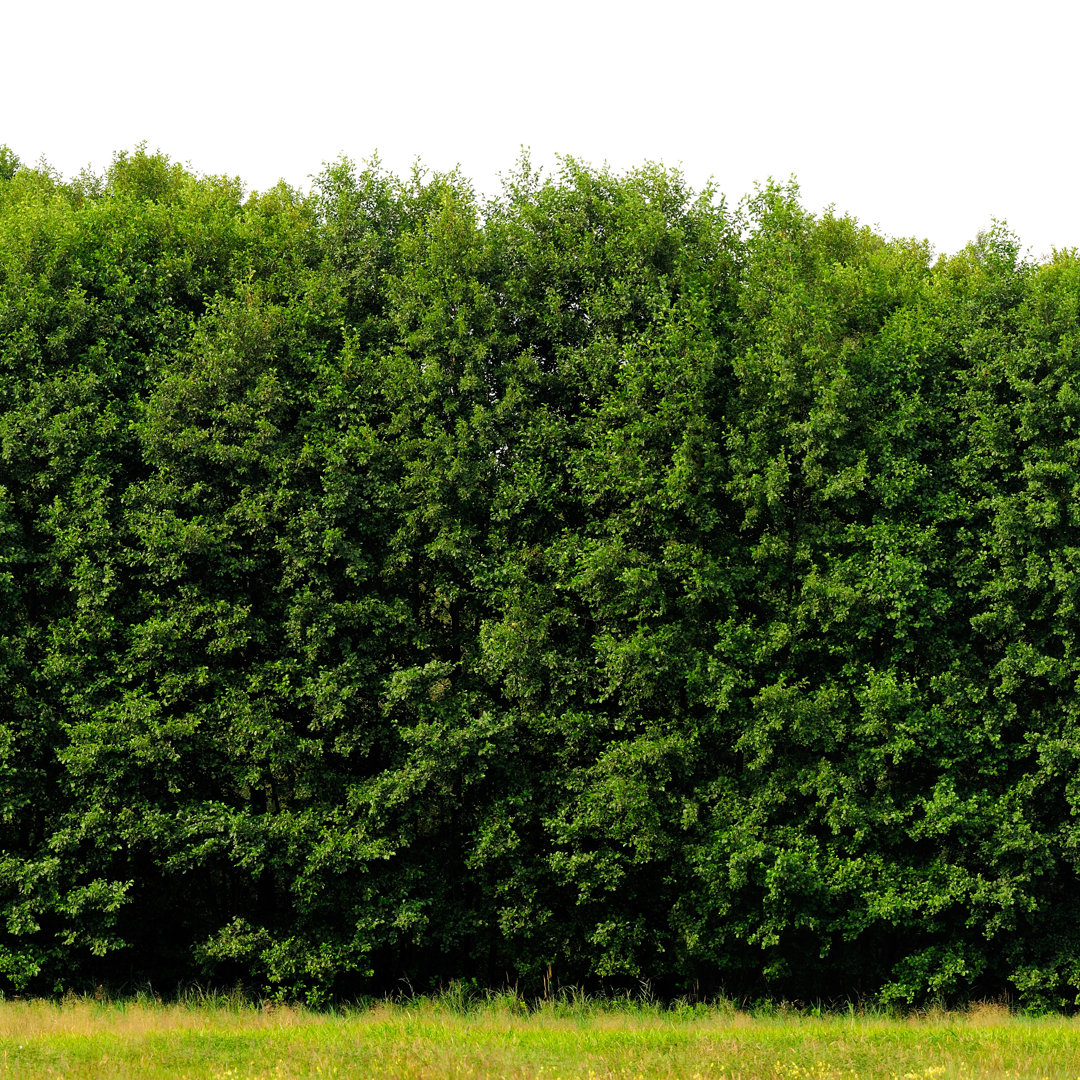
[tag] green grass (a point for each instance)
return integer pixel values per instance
(77, 1039)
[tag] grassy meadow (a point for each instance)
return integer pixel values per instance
(77, 1039)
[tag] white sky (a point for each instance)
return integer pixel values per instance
(923, 118)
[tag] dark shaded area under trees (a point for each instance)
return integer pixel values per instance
(598, 580)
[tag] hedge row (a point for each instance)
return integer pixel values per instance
(589, 585)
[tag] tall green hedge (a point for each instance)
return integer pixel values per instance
(594, 584)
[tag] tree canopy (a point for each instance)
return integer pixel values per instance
(597, 583)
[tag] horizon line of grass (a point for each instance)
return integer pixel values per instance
(467, 997)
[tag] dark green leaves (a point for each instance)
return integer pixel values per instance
(590, 584)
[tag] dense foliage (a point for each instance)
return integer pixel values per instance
(595, 583)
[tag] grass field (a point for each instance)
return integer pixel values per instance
(79, 1039)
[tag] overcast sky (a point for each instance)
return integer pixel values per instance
(925, 119)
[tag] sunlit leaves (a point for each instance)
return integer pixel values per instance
(593, 583)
